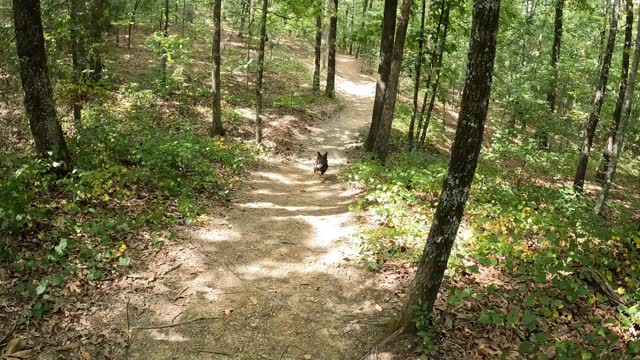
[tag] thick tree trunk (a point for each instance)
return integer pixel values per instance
(598, 98)
(34, 74)
(434, 88)
(263, 40)
(318, 52)
(622, 88)
(165, 33)
(618, 140)
(416, 85)
(386, 53)
(384, 128)
(462, 165)
(553, 81)
(330, 88)
(216, 126)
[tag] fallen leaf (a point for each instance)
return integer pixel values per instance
(228, 311)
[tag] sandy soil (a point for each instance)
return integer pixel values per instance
(275, 275)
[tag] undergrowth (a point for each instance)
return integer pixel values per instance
(132, 181)
(527, 227)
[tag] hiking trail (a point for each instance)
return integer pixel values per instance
(274, 275)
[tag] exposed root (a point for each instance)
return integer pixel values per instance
(373, 353)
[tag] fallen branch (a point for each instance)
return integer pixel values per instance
(176, 324)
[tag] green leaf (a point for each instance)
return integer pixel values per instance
(62, 245)
(124, 261)
(42, 287)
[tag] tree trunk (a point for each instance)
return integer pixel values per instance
(433, 60)
(618, 140)
(216, 126)
(132, 22)
(622, 88)
(34, 74)
(330, 88)
(76, 63)
(184, 17)
(462, 165)
(416, 86)
(384, 128)
(434, 88)
(386, 51)
(243, 15)
(263, 39)
(365, 3)
(353, 15)
(598, 98)
(318, 52)
(165, 33)
(553, 81)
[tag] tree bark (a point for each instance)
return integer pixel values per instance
(462, 165)
(598, 98)
(553, 81)
(434, 88)
(76, 63)
(216, 126)
(365, 3)
(34, 74)
(330, 88)
(263, 40)
(132, 22)
(318, 52)
(384, 128)
(165, 33)
(353, 15)
(386, 52)
(618, 140)
(416, 86)
(622, 88)
(433, 60)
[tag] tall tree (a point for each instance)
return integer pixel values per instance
(425, 118)
(622, 88)
(384, 66)
(351, 27)
(216, 126)
(553, 81)
(263, 40)
(165, 34)
(318, 50)
(598, 98)
(76, 61)
(330, 88)
(365, 3)
(432, 66)
(132, 22)
(416, 85)
(34, 74)
(618, 139)
(462, 165)
(381, 145)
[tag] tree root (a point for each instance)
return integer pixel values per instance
(373, 353)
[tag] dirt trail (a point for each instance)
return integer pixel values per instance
(275, 273)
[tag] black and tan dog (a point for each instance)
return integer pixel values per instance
(322, 164)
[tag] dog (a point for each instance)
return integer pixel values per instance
(322, 164)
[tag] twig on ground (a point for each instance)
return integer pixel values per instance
(284, 352)
(215, 352)
(176, 324)
(171, 269)
(7, 335)
(175, 317)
